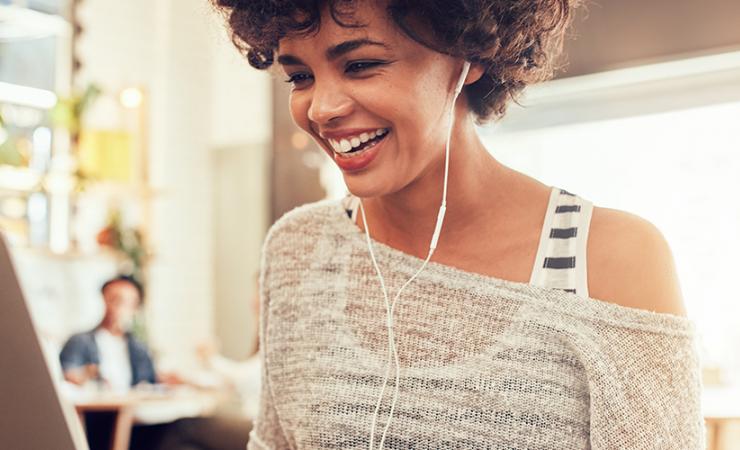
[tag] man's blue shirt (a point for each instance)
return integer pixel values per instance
(81, 349)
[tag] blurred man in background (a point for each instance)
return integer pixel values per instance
(110, 356)
(109, 353)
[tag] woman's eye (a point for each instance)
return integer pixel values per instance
(297, 78)
(361, 65)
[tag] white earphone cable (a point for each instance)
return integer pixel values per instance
(432, 246)
(391, 337)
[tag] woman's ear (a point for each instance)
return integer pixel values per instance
(475, 73)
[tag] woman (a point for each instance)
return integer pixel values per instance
(507, 338)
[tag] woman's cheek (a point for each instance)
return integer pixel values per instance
(299, 111)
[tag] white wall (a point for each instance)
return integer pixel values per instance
(241, 117)
(202, 97)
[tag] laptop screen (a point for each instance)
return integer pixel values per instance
(33, 416)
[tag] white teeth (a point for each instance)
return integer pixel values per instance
(345, 145)
(335, 145)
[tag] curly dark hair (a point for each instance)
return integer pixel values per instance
(516, 41)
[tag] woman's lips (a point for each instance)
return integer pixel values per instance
(356, 163)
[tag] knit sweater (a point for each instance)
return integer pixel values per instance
(486, 363)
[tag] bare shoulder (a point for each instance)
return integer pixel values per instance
(631, 264)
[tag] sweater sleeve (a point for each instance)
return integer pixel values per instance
(267, 433)
(644, 382)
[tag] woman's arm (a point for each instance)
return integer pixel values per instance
(267, 433)
(645, 390)
(643, 368)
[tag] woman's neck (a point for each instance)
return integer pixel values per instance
(406, 219)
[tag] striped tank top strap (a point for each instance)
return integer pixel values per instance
(351, 206)
(561, 256)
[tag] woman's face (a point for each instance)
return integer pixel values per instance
(375, 92)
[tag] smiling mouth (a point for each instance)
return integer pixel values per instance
(349, 148)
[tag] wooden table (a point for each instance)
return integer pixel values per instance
(721, 406)
(144, 408)
(122, 408)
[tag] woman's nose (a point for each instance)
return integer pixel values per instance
(327, 103)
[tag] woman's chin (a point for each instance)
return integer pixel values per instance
(362, 187)
(361, 192)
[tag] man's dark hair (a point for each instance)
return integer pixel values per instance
(125, 279)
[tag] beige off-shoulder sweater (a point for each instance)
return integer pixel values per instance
(486, 363)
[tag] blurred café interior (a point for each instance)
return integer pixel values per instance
(136, 140)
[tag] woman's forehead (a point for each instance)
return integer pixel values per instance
(370, 24)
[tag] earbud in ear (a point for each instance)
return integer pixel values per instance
(463, 75)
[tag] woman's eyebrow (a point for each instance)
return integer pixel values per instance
(333, 52)
(347, 46)
(290, 60)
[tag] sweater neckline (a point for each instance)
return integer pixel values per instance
(572, 303)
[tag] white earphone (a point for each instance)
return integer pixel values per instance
(432, 246)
